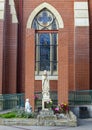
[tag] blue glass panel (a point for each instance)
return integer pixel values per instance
(44, 18)
(54, 36)
(34, 24)
(44, 51)
(54, 26)
(54, 40)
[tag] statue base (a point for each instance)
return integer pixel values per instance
(44, 103)
(46, 118)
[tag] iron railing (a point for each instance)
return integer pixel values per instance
(83, 97)
(10, 101)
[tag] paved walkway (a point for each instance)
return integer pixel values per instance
(83, 124)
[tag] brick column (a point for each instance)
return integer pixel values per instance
(10, 50)
(1, 54)
(63, 67)
(82, 51)
(90, 36)
(2, 10)
(30, 65)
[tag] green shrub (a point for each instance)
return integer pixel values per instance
(8, 115)
(23, 114)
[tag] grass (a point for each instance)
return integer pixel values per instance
(8, 115)
(18, 114)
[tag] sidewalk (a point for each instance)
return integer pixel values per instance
(83, 124)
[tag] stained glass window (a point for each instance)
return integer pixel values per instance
(45, 20)
(45, 42)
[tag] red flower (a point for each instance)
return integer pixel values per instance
(62, 108)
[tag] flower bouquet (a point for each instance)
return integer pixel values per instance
(61, 108)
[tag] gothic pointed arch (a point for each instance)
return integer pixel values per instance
(49, 7)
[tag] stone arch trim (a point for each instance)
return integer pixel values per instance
(13, 11)
(39, 8)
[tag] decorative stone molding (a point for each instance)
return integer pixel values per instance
(49, 77)
(13, 11)
(2, 3)
(49, 7)
(81, 14)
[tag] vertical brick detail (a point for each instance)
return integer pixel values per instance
(11, 61)
(30, 65)
(82, 58)
(1, 53)
(21, 46)
(63, 67)
(90, 35)
(10, 53)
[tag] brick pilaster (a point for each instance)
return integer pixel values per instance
(63, 67)
(29, 65)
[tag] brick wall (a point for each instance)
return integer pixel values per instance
(76, 76)
(38, 85)
(74, 65)
(66, 72)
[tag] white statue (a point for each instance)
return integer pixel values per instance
(45, 86)
(28, 107)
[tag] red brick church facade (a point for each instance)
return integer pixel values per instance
(18, 43)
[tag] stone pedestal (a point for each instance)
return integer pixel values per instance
(43, 103)
(46, 118)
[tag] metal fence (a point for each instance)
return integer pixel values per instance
(83, 97)
(10, 101)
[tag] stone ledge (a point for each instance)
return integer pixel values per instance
(18, 121)
(33, 122)
(71, 120)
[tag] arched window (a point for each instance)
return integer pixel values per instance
(46, 41)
